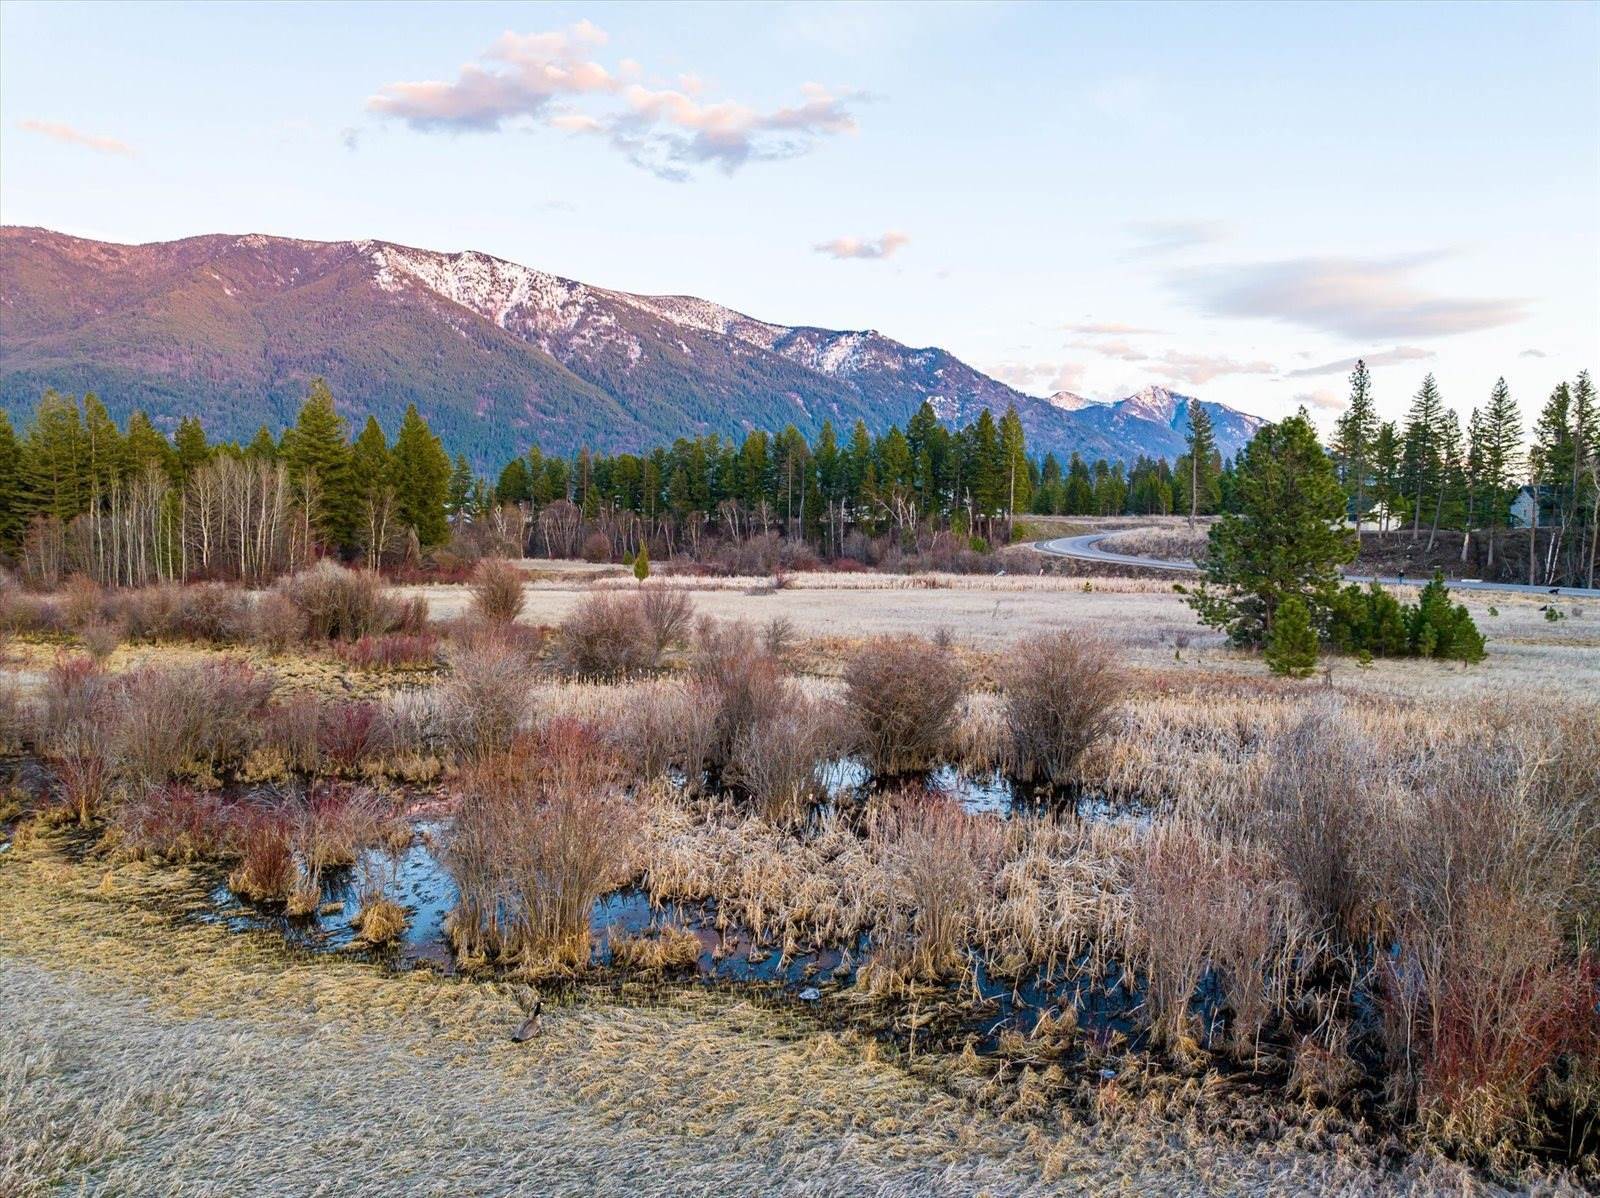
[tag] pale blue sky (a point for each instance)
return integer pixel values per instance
(1232, 199)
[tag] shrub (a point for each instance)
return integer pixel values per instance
(175, 822)
(348, 732)
(597, 547)
(1321, 809)
(777, 758)
(902, 699)
(76, 724)
(1202, 904)
(543, 831)
(1439, 630)
(607, 636)
(100, 638)
(743, 686)
(205, 716)
(393, 651)
(81, 600)
(339, 604)
(276, 621)
(1292, 642)
(486, 696)
(266, 870)
(334, 825)
(1061, 696)
(496, 591)
(667, 616)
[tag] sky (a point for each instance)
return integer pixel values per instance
(1235, 201)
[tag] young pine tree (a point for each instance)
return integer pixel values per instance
(1286, 538)
(1292, 643)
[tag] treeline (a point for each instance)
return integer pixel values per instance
(1425, 476)
(128, 506)
(964, 479)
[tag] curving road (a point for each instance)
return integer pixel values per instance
(1087, 548)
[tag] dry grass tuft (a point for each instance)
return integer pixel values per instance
(380, 921)
(543, 831)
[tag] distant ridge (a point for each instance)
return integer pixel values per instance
(496, 355)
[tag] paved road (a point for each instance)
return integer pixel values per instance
(1087, 548)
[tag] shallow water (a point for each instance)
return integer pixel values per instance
(419, 882)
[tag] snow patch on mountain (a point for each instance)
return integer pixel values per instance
(1069, 401)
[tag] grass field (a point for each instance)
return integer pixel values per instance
(140, 1056)
(144, 1052)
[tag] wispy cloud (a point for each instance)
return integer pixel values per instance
(1176, 365)
(1044, 378)
(76, 137)
(1108, 329)
(1364, 299)
(1533, 353)
(1320, 400)
(863, 247)
(1384, 357)
(1154, 239)
(548, 77)
(1202, 368)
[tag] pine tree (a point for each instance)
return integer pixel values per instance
(1386, 484)
(12, 509)
(1203, 466)
(189, 445)
(262, 447)
(1014, 451)
(1287, 538)
(1450, 466)
(317, 452)
(1353, 441)
(1552, 466)
(1586, 466)
(371, 473)
(103, 443)
(421, 480)
(56, 459)
(1292, 643)
(144, 447)
(458, 494)
(1420, 455)
(641, 563)
(1501, 457)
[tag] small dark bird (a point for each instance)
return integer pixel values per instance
(530, 1026)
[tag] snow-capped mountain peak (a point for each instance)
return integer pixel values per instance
(1154, 403)
(1069, 401)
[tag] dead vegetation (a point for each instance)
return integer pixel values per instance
(1393, 901)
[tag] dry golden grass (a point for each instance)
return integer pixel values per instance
(139, 1055)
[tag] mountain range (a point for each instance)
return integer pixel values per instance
(495, 355)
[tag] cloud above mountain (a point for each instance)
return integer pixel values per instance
(1363, 299)
(1384, 357)
(554, 79)
(881, 246)
(58, 131)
